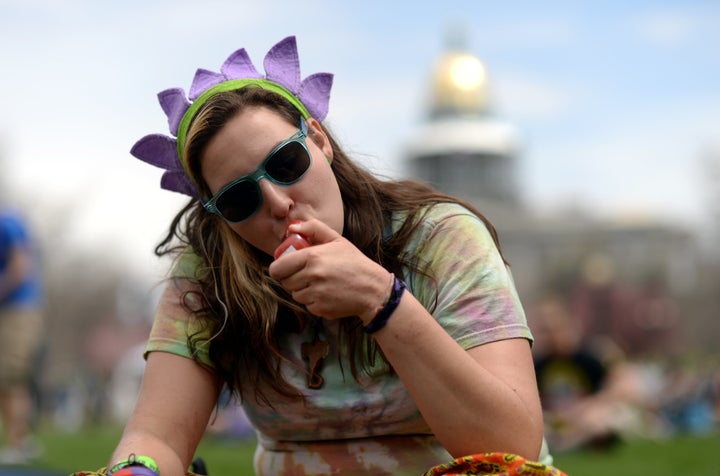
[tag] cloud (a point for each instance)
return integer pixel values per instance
(540, 31)
(523, 95)
(667, 27)
(644, 160)
(693, 24)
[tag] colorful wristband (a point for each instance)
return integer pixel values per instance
(137, 461)
(381, 318)
(134, 471)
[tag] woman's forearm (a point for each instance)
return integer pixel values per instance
(139, 442)
(172, 410)
(475, 400)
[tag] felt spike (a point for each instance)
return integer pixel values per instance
(314, 94)
(239, 65)
(204, 80)
(282, 64)
(178, 181)
(158, 150)
(174, 104)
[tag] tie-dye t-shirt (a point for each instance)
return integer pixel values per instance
(372, 426)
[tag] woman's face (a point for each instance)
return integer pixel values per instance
(242, 145)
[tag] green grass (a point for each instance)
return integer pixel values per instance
(683, 455)
(90, 449)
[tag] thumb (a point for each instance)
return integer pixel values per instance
(315, 231)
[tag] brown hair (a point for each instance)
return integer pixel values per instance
(243, 308)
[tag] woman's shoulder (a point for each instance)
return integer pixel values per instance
(446, 216)
(186, 264)
(445, 222)
(434, 213)
(439, 212)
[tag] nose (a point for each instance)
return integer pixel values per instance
(275, 198)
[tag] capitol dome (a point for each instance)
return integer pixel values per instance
(461, 147)
(459, 85)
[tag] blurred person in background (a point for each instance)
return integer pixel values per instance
(21, 335)
(592, 396)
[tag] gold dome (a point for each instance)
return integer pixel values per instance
(459, 85)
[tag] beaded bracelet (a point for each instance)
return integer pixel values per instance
(381, 318)
(133, 471)
(135, 461)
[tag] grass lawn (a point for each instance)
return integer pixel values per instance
(683, 455)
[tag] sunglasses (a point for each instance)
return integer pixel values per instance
(284, 165)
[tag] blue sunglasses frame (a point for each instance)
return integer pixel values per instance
(261, 172)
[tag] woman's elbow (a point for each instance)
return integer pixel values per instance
(523, 440)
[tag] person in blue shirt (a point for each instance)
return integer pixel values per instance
(21, 332)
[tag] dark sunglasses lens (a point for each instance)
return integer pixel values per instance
(289, 163)
(239, 202)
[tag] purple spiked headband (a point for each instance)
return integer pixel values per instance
(310, 96)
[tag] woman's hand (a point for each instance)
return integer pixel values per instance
(332, 278)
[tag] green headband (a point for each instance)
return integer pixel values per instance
(231, 85)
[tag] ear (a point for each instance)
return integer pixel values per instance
(316, 133)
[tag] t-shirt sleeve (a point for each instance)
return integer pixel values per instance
(477, 302)
(174, 322)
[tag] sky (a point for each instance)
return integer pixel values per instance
(617, 103)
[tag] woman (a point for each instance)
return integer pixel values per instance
(391, 344)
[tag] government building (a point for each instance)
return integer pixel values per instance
(621, 277)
